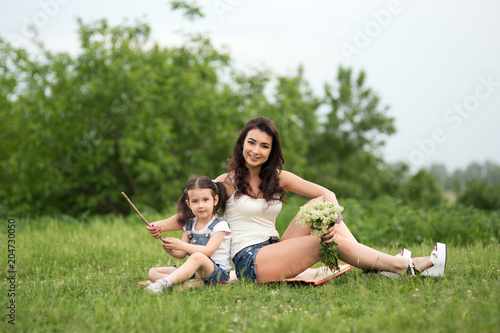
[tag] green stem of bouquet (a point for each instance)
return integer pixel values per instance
(329, 255)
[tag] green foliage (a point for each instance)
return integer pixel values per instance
(482, 195)
(329, 254)
(387, 220)
(477, 185)
(125, 114)
(294, 112)
(191, 11)
(88, 283)
(459, 179)
(118, 117)
(422, 189)
(390, 221)
(343, 152)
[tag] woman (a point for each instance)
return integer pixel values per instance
(255, 184)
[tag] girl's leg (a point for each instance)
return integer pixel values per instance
(157, 273)
(197, 263)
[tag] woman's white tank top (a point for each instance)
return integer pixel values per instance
(252, 221)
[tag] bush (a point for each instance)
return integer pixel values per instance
(422, 189)
(482, 195)
(389, 221)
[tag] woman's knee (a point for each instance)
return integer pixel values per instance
(313, 200)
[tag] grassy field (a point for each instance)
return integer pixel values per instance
(81, 277)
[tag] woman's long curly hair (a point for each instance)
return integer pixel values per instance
(270, 183)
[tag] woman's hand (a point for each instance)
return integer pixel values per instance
(330, 234)
(155, 229)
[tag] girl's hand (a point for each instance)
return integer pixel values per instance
(166, 247)
(154, 229)
(170, 243)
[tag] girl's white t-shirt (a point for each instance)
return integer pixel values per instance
(221, 256)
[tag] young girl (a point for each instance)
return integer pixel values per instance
(206, 237)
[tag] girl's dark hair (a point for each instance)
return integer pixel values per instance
(196, 183)
(270, 184)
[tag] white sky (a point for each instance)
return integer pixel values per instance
(435, 63)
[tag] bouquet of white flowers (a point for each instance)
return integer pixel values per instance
(319, 216)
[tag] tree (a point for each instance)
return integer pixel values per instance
(482, 195)
(344, 150)
(441, 173)
(125, 114)
(422, 190)
(293, 110)
(191, 11)
(120, 116)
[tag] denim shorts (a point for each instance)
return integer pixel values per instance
(218, 275)
(244, 261)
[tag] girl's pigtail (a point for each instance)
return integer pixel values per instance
(183, 209)
(220, 190)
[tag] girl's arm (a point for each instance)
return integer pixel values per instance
(212, 245)
(294, 183)
(170, 224)
(176, 253)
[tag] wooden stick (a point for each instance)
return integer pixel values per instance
(137, 211)
(133, 206)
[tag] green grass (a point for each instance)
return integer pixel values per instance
(81, 277)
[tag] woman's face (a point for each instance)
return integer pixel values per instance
(256, 148)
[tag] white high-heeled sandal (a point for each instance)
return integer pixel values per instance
(405, 254)
(438, 259)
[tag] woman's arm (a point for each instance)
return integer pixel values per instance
(226, 180)
(170, 224)
(180, 245)
(293, 183)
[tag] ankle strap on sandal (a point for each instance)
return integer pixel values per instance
(411, 266)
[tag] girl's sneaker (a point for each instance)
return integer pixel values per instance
(159, 286)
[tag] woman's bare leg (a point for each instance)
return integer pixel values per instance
(294, 230)
(365, 257)
(290, 257)
(287, 259)
(344, 231)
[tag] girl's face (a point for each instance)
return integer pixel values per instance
(256, 148)
(202, 202)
